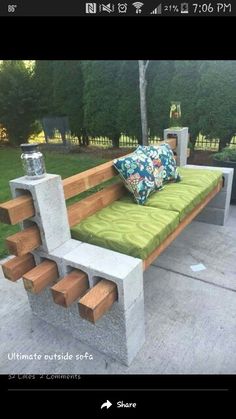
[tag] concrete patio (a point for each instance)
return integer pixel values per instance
(190, 316)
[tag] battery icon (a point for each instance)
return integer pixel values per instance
(184, 8)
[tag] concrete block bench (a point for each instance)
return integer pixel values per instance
(90, 287)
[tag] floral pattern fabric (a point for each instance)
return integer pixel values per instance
(162, 155)
(137, 172)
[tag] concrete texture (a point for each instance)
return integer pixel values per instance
(190, 316)
(182, 143)
(120, 333)
(217, 211)
(50, 209)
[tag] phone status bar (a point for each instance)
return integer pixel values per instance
(118, 8)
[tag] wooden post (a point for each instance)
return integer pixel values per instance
(25, 241)
(14, 268)
(98, 300)
(17, 210)
(41, 276)
(70, 288)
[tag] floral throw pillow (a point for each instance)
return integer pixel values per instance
(162, 155)
(137, 172)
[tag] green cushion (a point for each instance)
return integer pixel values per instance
(206, 179)
(184, 196)
(137, 230)
(174, 197)
(127, 228)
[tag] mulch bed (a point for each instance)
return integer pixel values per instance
(199, 157)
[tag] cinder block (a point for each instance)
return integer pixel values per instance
(182, 143)
(221, 200)
(119, 334)
(215, 216)
(124, 270)
(50, 208)
(57, 255)
(43, 306)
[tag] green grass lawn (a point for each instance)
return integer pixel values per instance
(61, 164)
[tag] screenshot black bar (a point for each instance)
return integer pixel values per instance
(122, 8)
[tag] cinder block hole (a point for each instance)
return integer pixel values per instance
(20, 192)
(29, 223)
(70, 268)
(71, 288)
(42, 259)
(96, 279)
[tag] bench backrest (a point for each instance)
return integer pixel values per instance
(21, 208)
(77, 184)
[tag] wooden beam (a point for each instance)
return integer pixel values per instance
(98, 300)
(21, 208)
(81, 182)
(29, 239)
(93, 203)
(14, 268)
(70, 288)
(25, 241)
(41, 276)
(187, 220)
(17, 210)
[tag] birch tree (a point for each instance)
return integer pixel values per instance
(143, 65)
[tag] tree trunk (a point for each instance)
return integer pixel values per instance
(115, 140)
(143, 104)
(63, 137)
(85, 138)
(224, 141)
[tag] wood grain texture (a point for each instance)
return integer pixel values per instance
(81, 182)
(14, 268)
(98, 300)
(25, 241)
(21, 208)
(17, 210)
(93, 203)
(41, 276)
(70, 288)
(187, 220)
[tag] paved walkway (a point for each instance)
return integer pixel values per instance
(190, 316)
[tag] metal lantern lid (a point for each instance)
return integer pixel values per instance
(29, 147)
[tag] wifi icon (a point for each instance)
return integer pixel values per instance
(138, 5)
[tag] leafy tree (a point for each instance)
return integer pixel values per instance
(43, 80)
(184, 87)
(217, 100)
(128, 112)
(18, 101)
(68, 93)
(160, 74)
(101, 98)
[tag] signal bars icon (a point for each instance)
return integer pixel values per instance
(157, 10)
